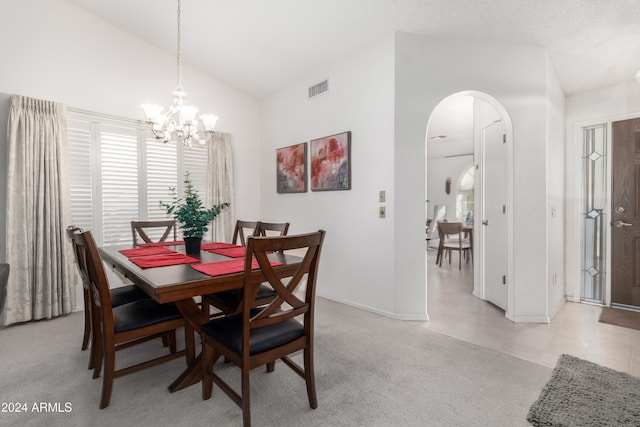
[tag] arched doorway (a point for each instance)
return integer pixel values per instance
(472, 127)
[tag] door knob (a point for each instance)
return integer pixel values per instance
(620, 224)
(485, 222)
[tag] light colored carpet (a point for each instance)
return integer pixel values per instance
(582, 394)
(370, 371)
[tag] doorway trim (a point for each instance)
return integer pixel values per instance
(574, 237)
(478, 288)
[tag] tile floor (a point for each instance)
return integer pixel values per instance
(575, 330)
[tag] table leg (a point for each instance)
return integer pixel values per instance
(194, 318)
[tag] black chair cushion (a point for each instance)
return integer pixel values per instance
(127, 294)
(232, 297)
(228, 331)
(143, 313)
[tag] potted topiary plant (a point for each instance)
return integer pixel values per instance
(191, 214)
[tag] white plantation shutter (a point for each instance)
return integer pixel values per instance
(162, 173)
(81, 179)
(119, 173)
(119, 164)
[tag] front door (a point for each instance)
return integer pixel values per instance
(625, 214)
(494, 214)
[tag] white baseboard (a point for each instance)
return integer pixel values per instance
(409, 317)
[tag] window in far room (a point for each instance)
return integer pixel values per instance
(464, 199)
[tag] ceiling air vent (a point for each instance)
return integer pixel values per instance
(318, 89)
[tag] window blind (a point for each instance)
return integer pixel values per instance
(119, 173)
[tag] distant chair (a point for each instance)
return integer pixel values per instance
(266, 229)
(141, 230)
(439, 212)
(243, 230)
(228, 301)
(452, 239)
(260, 336)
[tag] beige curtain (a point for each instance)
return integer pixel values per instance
(220, 185)
(41, 284)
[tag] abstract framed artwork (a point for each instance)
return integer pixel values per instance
(291, 173)
(331, 162)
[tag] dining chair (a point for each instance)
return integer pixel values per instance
(260, 336)
(116, 328)
(452, 239)
(229, 301)
(226, 302)
(4, 279)
(439, 212)
(148, 231)
(266, 229)
(243, 230)
(119, 296)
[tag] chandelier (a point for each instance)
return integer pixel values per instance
(179, 124)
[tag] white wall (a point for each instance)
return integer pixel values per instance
(383, 93)
(555, 191)
(357, 258)
(380, 264)
(55, 51)
(613, 103)
(429, 69)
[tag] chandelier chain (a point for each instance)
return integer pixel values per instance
(179, 47)
(181, 122)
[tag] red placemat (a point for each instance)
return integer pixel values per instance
(170, 243)
(218, 245)
(163, 260)
(226, 267)
(236, 252)
(136, 252)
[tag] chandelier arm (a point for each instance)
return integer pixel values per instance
(157, 134)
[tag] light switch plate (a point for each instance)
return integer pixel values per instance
(383, 212)
(383, 196)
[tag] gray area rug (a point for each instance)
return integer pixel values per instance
(582, 393)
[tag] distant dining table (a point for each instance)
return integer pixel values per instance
(168, 275)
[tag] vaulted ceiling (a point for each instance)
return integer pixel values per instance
(259, 46)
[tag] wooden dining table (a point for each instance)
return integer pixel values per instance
(180, 284)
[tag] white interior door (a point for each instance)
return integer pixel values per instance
(494, 226)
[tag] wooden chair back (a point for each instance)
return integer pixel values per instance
(286, 304)
(450, 229)
(4, 279)
(141, 230)
(243, 230)
(80, 260)
(272, 229)
(92, 268)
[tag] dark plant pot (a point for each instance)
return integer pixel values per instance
(192, 245)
